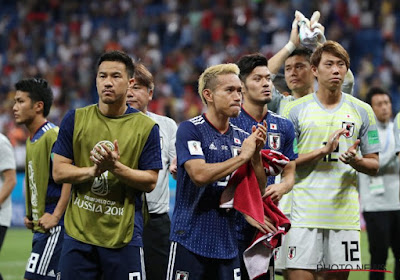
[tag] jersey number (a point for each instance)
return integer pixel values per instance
(32, 262)
(349, 252)
(330, 158)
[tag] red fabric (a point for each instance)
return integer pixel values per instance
(243, 187)
(247, 195)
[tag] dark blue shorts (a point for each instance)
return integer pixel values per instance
(185, 265)
(46, 250)
(85, 261)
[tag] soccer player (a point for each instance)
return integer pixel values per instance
(209, 148)
(329, 127)
(45, 199)
(380, 194)
(157, 230)
(257, 92)
(110, 152)
(300, 80)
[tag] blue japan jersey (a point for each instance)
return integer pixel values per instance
(198, 223)
(280, 137)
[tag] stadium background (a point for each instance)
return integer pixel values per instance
(176, 39)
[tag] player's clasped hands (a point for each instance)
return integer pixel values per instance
(104, 158)
(255, 142)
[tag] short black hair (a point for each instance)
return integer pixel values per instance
(247, 63)
(302, 52)
(39, 90)
(118, 56)
(374, 91)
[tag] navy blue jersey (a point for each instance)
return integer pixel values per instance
(150, 159)
(280, 137)
(197, 222)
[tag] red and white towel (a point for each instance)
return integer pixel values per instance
(243, 194)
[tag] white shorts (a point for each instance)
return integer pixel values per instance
(322, 249)
(280, 253)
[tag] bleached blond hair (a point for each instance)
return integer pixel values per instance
(208, 79)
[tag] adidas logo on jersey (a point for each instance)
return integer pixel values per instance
(212, 147)
(51, 273)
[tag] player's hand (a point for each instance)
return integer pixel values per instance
(276, 191)
(104, 157)
(48, 221)
(261, 133)
(265, 228)
(333, 141)
(351, 154)
(28, 223)
(173, 168)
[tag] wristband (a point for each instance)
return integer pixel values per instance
(290, 47)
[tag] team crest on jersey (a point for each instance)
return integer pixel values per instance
(182, 275)
(274, 140)
(277, 253)
(349, 126)
(291, 252)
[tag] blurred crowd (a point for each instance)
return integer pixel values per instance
(176, 39)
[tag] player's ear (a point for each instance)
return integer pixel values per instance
(208, 95)
(39, 106)
(314, 71)
(131, 82)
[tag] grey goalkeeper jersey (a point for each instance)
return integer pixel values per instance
(158, 199)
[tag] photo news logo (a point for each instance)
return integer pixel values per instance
(334, 268)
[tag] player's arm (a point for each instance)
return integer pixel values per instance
(276, 191)
(318, 154)
(256, 159)
(9, 182)
(65, 172)
(142, 180)
(275, 63)
(202, 173)
(48, 221)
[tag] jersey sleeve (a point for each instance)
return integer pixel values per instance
(369, 132)
(150, 159)
(188, 143)
(63, 145)
(396, 132)
(7, 154)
